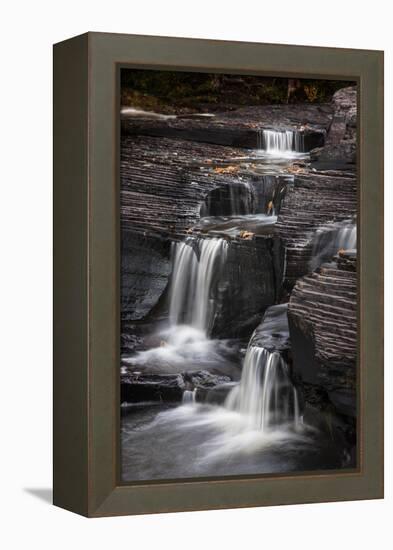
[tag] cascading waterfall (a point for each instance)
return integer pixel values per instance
(241, 203)
(196, 266)
(329, 239)
(189, 396)
(265, 394)
(244, 203)
(196, 269)
(280, 142)
(299, 142)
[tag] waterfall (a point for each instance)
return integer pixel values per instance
(189, 396)
(329, 239)
(196, 266)
(265, 393)
(234, 198)
(241, 202)
(280, 142)
(243, 198)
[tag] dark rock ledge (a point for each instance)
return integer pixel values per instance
(238, 128)
(273, 332)
(340, 145)
(164, 183)
(324, 191)
(314, 200)
(145, 388)
(322, 316)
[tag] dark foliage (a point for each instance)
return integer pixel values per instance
(168, 91)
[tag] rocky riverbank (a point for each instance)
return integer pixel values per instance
(288, 283)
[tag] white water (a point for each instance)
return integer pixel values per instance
(328, 240)
(140, 113)
(196, 265)
(189, 396)
(259, 428)
(234, 199)
(280, 143)
(265, 395)
(233, 226)
(242, 203)
(182, 348)
(185, 344)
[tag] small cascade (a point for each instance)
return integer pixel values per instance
(237, 198)
(280, 142)
(265, 394)
(189, 396)
(270, 190)
(297, 419)
(196, 267)
(243, 202)
(243, 199)
(299, 142)
(329, 239)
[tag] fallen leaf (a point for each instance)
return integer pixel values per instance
(226, 169)
(246, 235)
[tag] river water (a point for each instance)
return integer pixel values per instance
(257, 428)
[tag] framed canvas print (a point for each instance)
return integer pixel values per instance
(218, 274)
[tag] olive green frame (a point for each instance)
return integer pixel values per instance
(86, 273)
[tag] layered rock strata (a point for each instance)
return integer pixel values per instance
(322, 316)
(340, 145)
(324, 192)
(164, 182)
(164, 185)
(315, 200)
(235, 128)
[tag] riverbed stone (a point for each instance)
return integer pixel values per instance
(138, 387)
(204, 379)
(272, 333)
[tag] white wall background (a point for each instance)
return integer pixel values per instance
(28, 30)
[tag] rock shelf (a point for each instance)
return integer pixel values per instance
(323, 325)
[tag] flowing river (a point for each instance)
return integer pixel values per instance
(255, 425)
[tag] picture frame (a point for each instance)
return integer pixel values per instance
(86, 416)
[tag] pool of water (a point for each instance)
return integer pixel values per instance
(199, 440)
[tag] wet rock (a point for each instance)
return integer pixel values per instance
(340, 144)
(239, 127)
(323, 331)
(273, 332)
(339, 429)
(257, 194)
(145, 269)
(143, 387)
(130, 342)
(315, 200)
(164, 184)
(216, 395)
(344, 152)
(167, 184)
(247, 287)
(204, 380)
(210, 388)
(137, 387)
